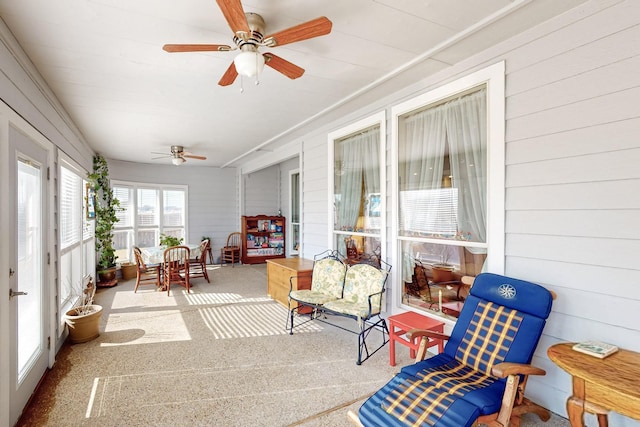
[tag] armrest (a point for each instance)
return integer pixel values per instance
(417, 333)
(504, 369)
(291, 282)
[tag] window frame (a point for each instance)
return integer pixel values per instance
(379, 120)
(295, 205)
(493, 77)
(84, 247)
(161, 188)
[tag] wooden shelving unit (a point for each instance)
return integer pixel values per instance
(263, 238)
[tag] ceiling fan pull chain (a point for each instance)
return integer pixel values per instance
(241, 84)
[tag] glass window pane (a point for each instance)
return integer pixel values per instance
(148, 209)
(174, 208)
(357, 248)
(122, 243)
(147, 238)
(29, 280)
(442, 167)
(295, 198)
(357, 182)
(70, 208)
(125, 197)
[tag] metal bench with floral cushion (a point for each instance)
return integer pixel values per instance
(327, 282)
(359, 297)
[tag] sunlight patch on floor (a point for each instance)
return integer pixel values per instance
(250, 320)
(140, 327)
(220, 298)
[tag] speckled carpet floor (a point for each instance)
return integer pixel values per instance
(219, 356)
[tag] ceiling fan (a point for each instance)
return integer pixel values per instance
(178, 155)
(248, 29)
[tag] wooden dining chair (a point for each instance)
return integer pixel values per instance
(146, 273)
(198, 265)
(176, 267)
(231, 251)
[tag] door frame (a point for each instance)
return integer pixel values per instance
(8, 118)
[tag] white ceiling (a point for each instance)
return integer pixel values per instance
(104, 61)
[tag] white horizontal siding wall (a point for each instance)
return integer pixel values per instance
(213, 201)
(262, 191)
(573, 180)
(315, 228)
(572, 175)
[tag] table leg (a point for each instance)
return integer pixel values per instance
(392, 345)
(575, 409)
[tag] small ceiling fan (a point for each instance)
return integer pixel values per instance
(178, 155)
(248, 29)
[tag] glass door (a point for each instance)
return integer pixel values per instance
(293, 230)
(29, 313)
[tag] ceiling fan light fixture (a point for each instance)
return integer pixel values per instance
(249, 63)
(177, 161)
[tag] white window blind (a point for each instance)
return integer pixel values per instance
(148, 210)
(173, 208)
(125, 197)
(70, 208)
(430, 212)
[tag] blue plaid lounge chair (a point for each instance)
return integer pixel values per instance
(482, 373)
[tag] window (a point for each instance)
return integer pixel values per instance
(147, 211)
(357, 174)
(446, 142)
(76, 233)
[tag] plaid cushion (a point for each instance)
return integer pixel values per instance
(416, 403)
(488, 337)
(455, 378)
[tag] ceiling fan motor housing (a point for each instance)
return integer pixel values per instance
(254, 38)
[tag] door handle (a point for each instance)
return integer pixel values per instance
(15, 294)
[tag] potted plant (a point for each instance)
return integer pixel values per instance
(168, 241)
(107, 207)
(443, 271)
(83, 319)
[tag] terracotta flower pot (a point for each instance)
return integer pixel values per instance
(442, 273)
(83, 327)
(129, 271)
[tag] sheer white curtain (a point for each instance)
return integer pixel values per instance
(466, 121)
(422, 154)
(360, 169)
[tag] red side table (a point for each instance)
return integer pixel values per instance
(399, 324)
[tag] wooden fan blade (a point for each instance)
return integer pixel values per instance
(285, 67)
(308, 30)
(196, 48)
(192, 156)
(229, 76)
(234, 14)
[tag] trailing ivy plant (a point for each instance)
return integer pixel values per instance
(107, 208)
